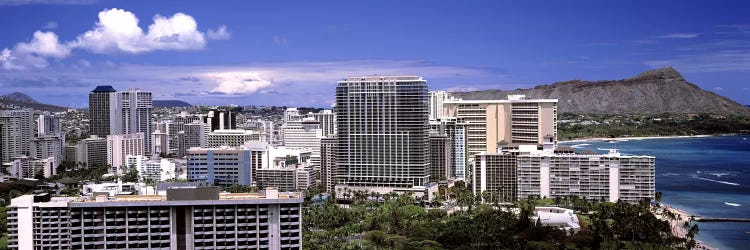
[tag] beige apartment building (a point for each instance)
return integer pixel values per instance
(516, 120)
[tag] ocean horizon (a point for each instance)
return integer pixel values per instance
(704, 176)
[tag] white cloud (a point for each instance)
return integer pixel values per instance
(718, 88)
(117, 31)
(50, 25)
(219, 34)
(280, 41)
(238, 82)
(679, 36)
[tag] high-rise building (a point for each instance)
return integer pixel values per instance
(221, 119)
(383, 128)
(516, 120)
(608, 177)
(327, 120)
(104, 112)
(185, 218)
(48, 125)
(440, 157)
(290, 178)
(456, 135)
(10, 137)
(136, 108)
(120, 146)
(194, 136)
(155, 169)
(92, 151)
(160, 142)
(28, 167)
(231, 138)
(328, 163)
(25, 121)
(225, 166)
(47, 146)
(305, 133)
(436, 103)
(495, 174)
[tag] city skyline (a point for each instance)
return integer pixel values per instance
(224, 54)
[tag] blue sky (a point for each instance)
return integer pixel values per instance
(293, 52)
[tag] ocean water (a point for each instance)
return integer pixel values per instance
(707, 176)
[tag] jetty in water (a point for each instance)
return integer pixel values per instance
(710, 219)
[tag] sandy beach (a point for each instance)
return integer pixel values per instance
(677, 229)
(641, 138)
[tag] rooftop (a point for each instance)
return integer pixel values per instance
(104, 88)
(381, 78)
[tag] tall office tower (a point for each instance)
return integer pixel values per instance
(225, 166)
(136, 114)
(194, 218)
(328, 163)
(221, 119)
(231, 138)
(440, 157)
(516, 120)
(437, 98)
(383, 128)
(48, 125)
(327, 120)
(26, 124)
(92, 151)
(105, 113)
(161, 143)
(47, 146)
(495, 174)
(10, 137)
(608, 177)
(120, 146)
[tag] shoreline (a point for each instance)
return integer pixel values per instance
(642, 138)
(676, 225)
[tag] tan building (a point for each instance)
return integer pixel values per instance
(516, 120)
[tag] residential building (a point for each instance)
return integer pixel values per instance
(516, 120)
(440, 157)
(607, 177)
(10, 137)
(494, 175)
(120, 146)
(305, 133)
(25, 119)
(160, 142)
(136, 108)
(92, 151)
(47, 146)
(296, 177)
(185, 218)
(383, 128)
(48, 125)
(28, 167)
(154, 169)
(436, 103)
(328, 163)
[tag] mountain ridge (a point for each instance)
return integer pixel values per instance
(20, 100)
(661, 90)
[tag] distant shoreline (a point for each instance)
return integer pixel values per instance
(642, 138)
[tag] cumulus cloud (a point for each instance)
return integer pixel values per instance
(238, 82)
(117, 31)
(219, 34)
